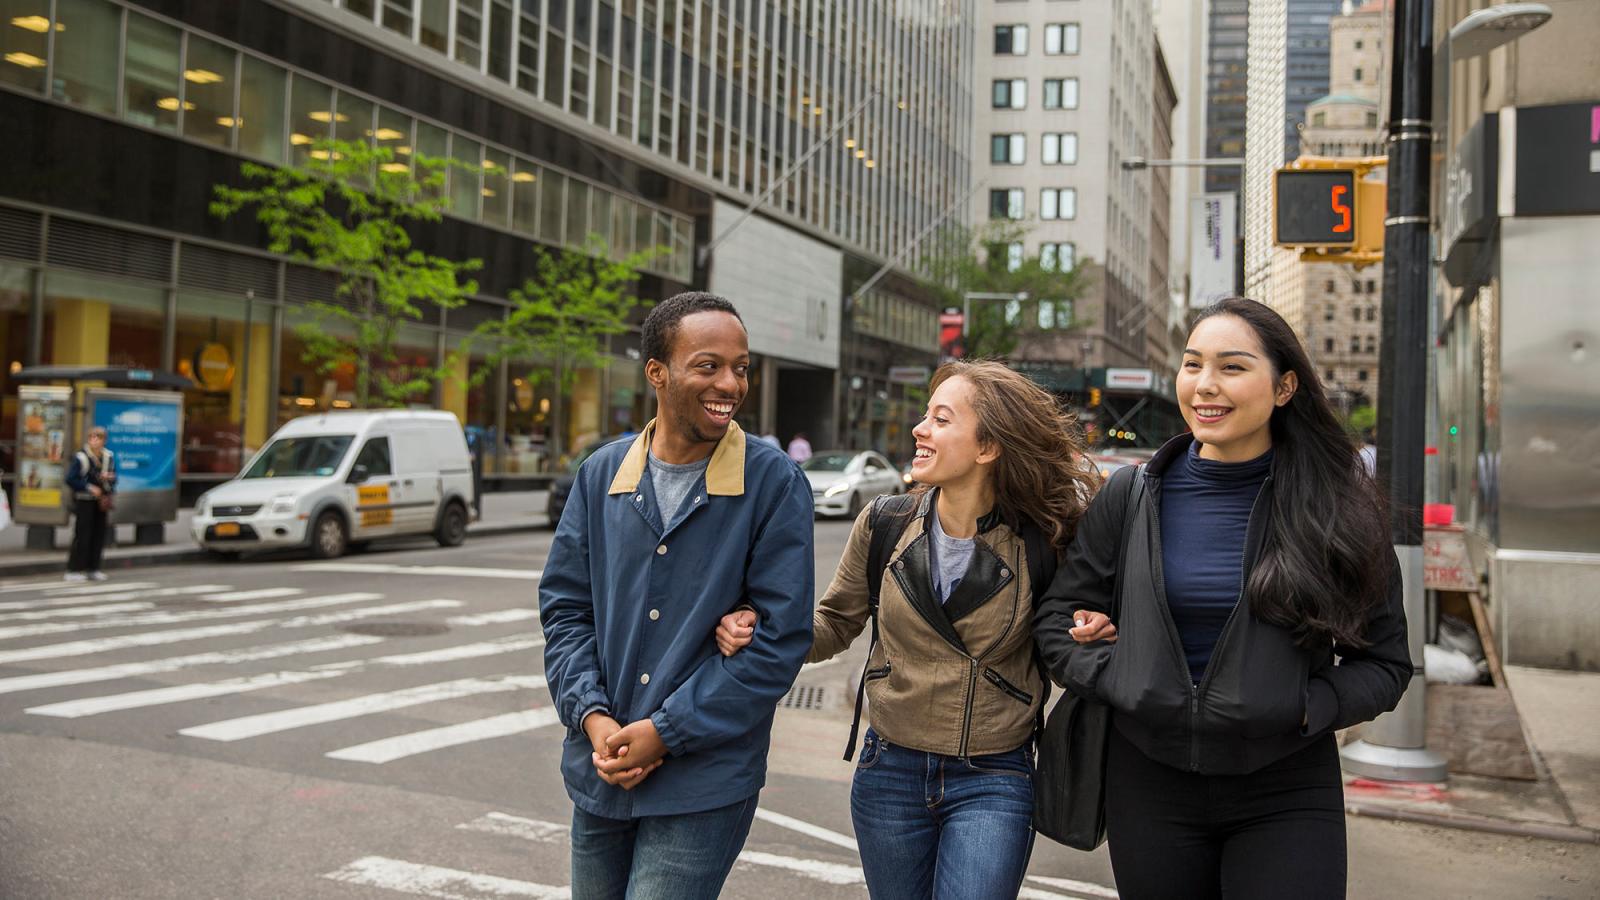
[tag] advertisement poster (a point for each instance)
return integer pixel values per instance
(42, 450)
(143, 435)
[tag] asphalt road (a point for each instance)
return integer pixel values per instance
(376, 727)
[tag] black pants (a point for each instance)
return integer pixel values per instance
(1277, 832)
(88, 537)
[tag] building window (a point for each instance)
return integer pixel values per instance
(1061, 93)
(1358, 74)
(1372, 122)
(1372, 286)
(1011, 40)
(1319, 119)
(1058, 203)
(1010, 93)
(1355, 313)
(26, 46)
(84, 58)
(262, 98)
(1361, 375)
(1055, 314)
(1006, 203)
(208, 75)
(1060, 149)
(1058, 257)
(1372, 313)
(1061, 40)
(1358, 45)
(150, 74)
(1355, 343)
(1327, 314)
(1013, 258)
(1327, 346)
(1010, 149)
(1330, 287)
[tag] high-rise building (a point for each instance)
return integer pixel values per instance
(1161, 352)
(647, 122)
(1227, 81)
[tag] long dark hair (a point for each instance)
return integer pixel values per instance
(1325, 564)
(1042, 475)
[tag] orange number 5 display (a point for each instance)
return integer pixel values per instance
(1343, 209)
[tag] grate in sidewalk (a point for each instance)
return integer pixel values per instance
(804, 696)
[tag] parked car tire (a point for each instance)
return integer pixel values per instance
(855, 506)
(329, 537)
(452, 528)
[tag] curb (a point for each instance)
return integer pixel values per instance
(168, 554)
(1573, 834)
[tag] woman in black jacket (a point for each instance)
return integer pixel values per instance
(1237, 565)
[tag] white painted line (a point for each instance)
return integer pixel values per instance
(53, 602)
(66, 677)
(74, 612)
(153, 638)
(401, 746)
(260, 594)
(94, 706)
(516, 826)
(807, 829)
(88, 590)
(814, 869)
(176, 617)
(322, 713)
(389, 569)
(499, 617)
(1081, 887)
(17, 587)
(510, 644)
(436, 881)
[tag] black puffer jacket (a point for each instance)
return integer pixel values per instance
(1259, 686)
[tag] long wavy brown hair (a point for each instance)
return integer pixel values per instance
(1042, 474)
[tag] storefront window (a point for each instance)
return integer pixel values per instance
(302, 387)
(150, 74)
(16, 293)
(96, 321)
(85, 65)
(219, 350)
(531, 409)
(24, 47)
(208, 75)
(261, 105)
(628, 395)
(310, 116)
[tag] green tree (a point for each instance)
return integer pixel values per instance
(347, 210)
(1361, 420)
(977, 260)
(563, 313)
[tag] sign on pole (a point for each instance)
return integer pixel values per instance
(1211, 248)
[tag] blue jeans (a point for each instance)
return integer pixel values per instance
(950, 827)
(683, 857)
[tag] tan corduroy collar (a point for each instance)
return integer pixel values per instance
(724, 474)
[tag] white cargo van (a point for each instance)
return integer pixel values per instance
(326, 481)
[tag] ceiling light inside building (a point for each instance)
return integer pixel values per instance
(849, 142)
(25, 60)
(37, 24)
(523, 177)
(229, 121)
(816, 111)
(299, 140)
(870, 163)
(322, 115)
(171, 104)
(488, 192)
(861, 154)
(395, 167)
(201, 76)
(388, 134)
(325, 154)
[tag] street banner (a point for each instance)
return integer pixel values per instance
(44, 444)
(1211, 248)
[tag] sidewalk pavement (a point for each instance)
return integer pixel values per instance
(1560, 714)
(502, 513)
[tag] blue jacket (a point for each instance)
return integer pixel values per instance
(630, 603)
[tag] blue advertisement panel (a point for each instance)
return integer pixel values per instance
(143, 435)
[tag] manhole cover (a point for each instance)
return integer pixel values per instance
(395, 629)
(804, 696)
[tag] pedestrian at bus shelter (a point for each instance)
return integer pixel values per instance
(92, 479)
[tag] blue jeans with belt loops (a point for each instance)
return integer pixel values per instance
(945, 827)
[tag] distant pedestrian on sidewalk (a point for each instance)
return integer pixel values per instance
(667, 743)
(799, 448)
(91, 477)
(942, 798)
(1240, 562)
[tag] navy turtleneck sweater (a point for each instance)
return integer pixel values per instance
(1205, 512)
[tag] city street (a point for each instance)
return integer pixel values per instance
(377, 727)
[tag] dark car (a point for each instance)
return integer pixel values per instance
(562, 485)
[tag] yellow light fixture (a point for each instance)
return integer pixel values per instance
(37, 24)
(901, 104)
(395, 167)
(523, 177)
(849, 142)
(861, 154)
(201, 76)
(403, 149)
(299, 140)
(388, 134)
(25, 60)
(16, 366)
(816, 110)
(229, 121)
(323, 115)
(170, 104)
(805, 101)
(342, 404)
(326, 154)
(305, 401)
(488, 192)
(870, 164)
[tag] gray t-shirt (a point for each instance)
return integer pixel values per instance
(950, 557)
(673, 482)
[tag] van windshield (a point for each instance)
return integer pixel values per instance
(300, 457)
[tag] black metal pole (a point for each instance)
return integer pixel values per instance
(1394, 746)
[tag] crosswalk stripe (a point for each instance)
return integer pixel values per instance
(516, 826)
(174, 617)
(141, 594)
(66, 677)
(806, 828)
(18, 587)
(437, 881)
(404, 745)
(153, 638)
(74, 612)
(322, 713)
(499, 617)
(391, 569)
(88, 590)
(93, 706)
(258, 594)
(1071, 884)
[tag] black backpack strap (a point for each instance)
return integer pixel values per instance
(1041, 571)
(886, 521)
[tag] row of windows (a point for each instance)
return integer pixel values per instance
(1356, 343)
(1057, 148)
(1355, 285)
(1357, 313)
(185, 84)
(896, 319)
(1053, 256)
(1059, 39)
(1054, 204)
(1012, 93)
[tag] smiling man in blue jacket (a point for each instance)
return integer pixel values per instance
(667, 739)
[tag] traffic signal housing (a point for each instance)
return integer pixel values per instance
(1330, 209)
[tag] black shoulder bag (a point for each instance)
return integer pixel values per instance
(1069, 790)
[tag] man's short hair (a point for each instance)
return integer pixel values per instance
(661, 326)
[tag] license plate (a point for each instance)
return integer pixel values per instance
(228, 529)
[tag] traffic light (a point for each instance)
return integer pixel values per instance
(1094, 396)
(1330, 210)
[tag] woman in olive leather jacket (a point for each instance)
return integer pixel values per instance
(1238, 564)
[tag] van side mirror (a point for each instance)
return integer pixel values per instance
(358, 474)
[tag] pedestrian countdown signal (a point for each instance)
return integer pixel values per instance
(1315, 208)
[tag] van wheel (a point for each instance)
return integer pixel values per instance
(452, 529)
(328, 536)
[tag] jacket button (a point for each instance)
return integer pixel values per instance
(661, 550)
(1004, 574)
(899, 564)
(655, 614)
(645, 678)
(638, 498)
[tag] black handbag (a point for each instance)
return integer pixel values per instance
(1069, 775)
